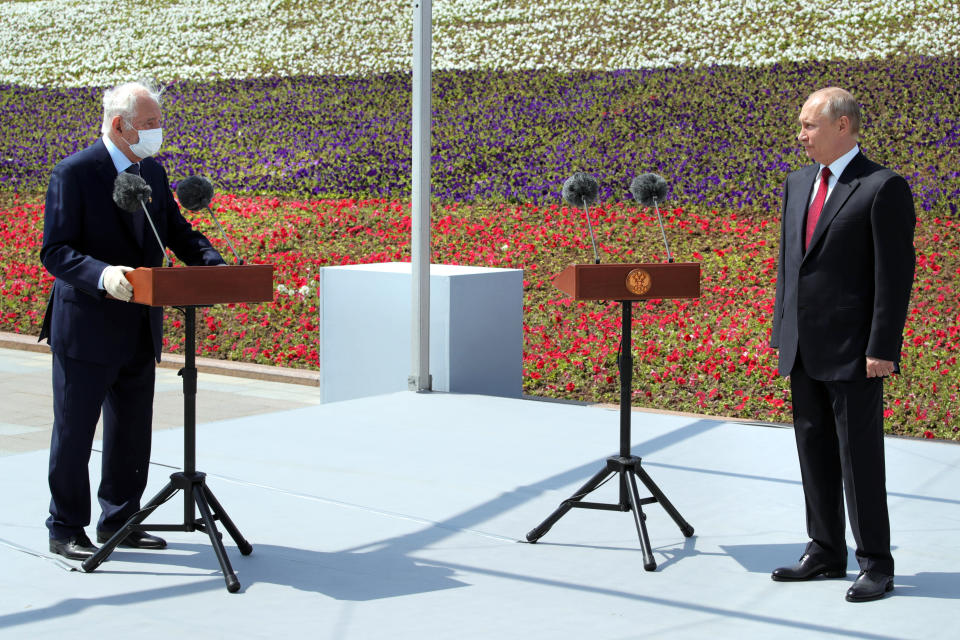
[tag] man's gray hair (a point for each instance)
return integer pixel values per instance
(122, 101)
(840, 102)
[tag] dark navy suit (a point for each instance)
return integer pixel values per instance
(103, 349)
(841, 300)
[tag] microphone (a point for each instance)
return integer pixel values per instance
(580, 190)
(649, 189)
(131, 192)
(195, 193)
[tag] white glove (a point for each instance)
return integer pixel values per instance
(116, 284)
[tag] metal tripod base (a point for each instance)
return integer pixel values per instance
(629, 469)
(196, 492)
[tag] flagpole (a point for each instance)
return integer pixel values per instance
(419, 379)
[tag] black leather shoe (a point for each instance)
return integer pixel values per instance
(135, 540)
(808, 569)
(76, 547)
(870, 585)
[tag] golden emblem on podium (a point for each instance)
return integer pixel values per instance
(638, 282)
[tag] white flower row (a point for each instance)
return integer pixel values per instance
(100, 42)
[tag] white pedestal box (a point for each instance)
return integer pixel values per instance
(476, 330)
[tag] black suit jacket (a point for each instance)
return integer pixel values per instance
(83, 232)
(846, 297)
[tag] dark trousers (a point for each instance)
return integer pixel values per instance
(124, 392)
(839, 431)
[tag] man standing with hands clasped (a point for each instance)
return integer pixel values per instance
(104, 348)
(843, 286)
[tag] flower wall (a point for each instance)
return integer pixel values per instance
(101, 42)
(722, 136)
(299, 112)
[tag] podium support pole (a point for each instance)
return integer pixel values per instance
(189, 375)
(196, 493)
(625, 364)
(626, 466)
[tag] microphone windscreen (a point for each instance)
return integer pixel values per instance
(195, 193)
(129, 190)
(580, 190)
(647, 188)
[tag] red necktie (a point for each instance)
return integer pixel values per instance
(813, 213)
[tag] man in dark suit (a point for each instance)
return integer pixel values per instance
(843, 286)
(104, 347)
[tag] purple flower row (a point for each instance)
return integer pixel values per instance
(721, 136)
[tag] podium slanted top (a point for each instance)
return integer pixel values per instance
(201, 286)
(641, 281)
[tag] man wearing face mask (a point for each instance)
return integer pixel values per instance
(104, 347)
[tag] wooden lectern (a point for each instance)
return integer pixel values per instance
(188, 288)
(625, 283)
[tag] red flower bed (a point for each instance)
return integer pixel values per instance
(707, 356)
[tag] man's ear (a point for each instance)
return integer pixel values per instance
(117, 124)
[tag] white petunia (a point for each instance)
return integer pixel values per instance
(101, 42)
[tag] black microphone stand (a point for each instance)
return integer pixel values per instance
(236, 257)
(167, 262)
(663, 231)
(593, 239)
(190, 481)
(625, 465)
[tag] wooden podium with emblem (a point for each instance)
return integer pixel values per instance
(625, 283)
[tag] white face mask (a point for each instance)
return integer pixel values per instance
(149, 144)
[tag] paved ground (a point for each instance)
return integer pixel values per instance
(225, 390)
(26, 409)
(399, 517)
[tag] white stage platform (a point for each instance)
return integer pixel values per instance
(400, 517)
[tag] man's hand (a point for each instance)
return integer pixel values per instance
(877, 368)
(116, 284)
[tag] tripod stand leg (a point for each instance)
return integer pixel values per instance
(640, 520)
(233, 585)
(244, 546)
(539, 531)
(654, 490)
(94, 561)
